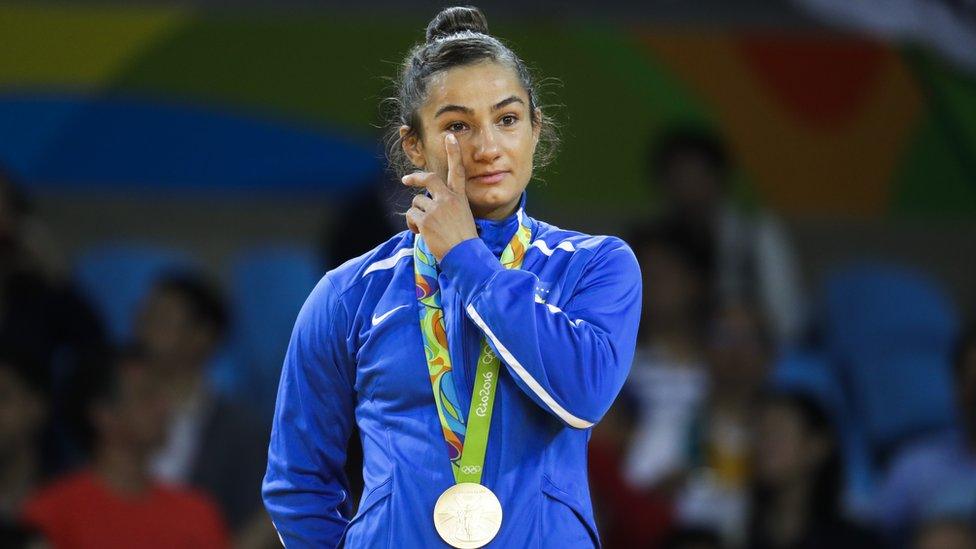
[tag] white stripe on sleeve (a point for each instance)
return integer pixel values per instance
(527, 378)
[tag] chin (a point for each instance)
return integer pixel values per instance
(489, 200)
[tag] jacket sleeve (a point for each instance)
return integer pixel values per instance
(305, 489)
(570, 361)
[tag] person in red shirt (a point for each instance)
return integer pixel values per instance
(114, 502)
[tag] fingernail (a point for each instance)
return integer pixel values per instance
(451, 138)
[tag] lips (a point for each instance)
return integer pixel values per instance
(489, 178)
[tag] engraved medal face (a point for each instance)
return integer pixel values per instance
(467, 515)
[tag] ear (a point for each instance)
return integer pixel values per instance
(413, 147)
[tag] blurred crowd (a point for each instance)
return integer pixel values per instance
(757, 414)
(117, 445)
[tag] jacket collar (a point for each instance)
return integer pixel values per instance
(498, 233)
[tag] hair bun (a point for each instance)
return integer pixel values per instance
(454, 20)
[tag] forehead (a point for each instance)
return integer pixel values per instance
(477, 86)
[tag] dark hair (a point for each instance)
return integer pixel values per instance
(204, 298)
(456, 37)
(682, 140)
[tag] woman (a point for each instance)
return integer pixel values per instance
(477, 319)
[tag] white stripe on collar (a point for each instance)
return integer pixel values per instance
(544, 248)
(388, 262)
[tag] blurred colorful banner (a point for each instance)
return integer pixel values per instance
(164, 98)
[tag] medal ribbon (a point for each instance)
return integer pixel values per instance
(467, 439)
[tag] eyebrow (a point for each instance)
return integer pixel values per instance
(469, 111)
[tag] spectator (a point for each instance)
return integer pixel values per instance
(43, 319)
(24, 241)
(798, 480)
(214, 444)
(748, 255)
(936, 476)
(628, 516)
(22, 415)
(669, 378)
(361, 219)
(946, 533)
(738, 353)
(114, 502)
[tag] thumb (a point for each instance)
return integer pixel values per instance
(456, 178)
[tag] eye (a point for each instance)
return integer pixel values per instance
(509, 119)
(456, 127)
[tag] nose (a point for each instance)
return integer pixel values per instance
(485, 144)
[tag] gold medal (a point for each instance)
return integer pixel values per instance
(467, 515)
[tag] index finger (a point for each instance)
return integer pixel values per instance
(425, 180)
(456, 178)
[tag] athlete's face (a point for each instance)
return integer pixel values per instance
(486, 107)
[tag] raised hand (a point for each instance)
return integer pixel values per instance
(444, 218)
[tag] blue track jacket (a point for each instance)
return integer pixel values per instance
(564, 326)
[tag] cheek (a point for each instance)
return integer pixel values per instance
(436, 158)
(522, 147)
